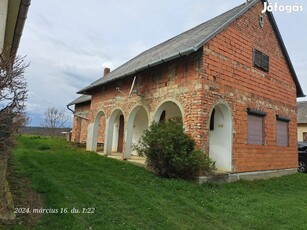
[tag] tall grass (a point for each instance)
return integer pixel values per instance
(125, 196)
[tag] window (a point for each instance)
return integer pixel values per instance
(260, 60)
(282, 131)
(261, 21)
(255, 132)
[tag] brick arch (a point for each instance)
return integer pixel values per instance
(138, 122)
(98, 115)
(217, 102)
(93, 129)
(220, 135)
(175, 109)
(114, 140)
(109, 113)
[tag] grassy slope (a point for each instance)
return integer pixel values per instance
(128, 197)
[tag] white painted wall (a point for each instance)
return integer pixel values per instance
(220, 143)
(140, 124)
(92, 133)
(115, 134)
(137, 122)
(3, 17)
(90, 142)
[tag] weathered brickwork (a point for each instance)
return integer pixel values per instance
(79, 130)
(177, 80)
(229, 74)
(220, 72)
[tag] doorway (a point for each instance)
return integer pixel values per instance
(220, 138)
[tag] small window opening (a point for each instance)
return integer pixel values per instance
(261, 21)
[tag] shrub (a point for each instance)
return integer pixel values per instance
(171, 152)
(206, 163)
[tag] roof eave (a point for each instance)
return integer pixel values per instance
(21, 19)
(177, 55)
(78, 101)
(188, 51)
(16, 17)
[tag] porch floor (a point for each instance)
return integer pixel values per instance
(141, 161)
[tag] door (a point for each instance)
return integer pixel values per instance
(120, 134)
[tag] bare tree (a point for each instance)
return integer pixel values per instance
(54, 118)
(13, 94)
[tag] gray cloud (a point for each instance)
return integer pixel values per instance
(70, 42)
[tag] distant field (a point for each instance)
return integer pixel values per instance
(110, 194)
(34, 130)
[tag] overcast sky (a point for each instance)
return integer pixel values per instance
(69, 42)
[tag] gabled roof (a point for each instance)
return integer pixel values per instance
(302, 112)
(186, 43)
(81, 99)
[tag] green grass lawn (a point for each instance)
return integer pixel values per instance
(125, 196)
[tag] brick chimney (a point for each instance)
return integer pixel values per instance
(106, 71)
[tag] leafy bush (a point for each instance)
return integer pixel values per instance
(171, 152)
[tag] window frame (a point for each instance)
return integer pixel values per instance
(286, 121)
(259, 114)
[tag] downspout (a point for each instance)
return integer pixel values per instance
(70, 109)
(76, 114)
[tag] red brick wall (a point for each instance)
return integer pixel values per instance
(178, 80)
(79, 131)
(229, 72)
(156, 84)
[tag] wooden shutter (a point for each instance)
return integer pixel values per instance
(255, 129)
(257, 58)
(261, 60)
(265, 62)
(282, 133)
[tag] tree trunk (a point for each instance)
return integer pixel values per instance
(6, 199)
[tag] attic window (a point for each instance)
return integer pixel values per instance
(261, 60)
(261, 21)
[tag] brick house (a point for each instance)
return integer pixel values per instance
(81, 118)
(230, 79)
(302, 121)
